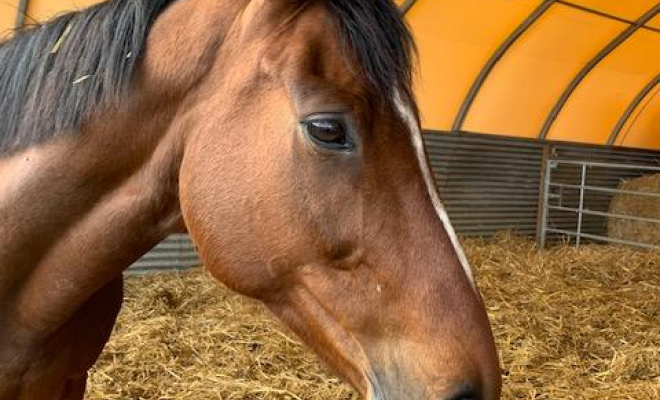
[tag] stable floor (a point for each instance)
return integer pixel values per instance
(569, 325)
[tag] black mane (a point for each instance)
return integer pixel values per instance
(55, 74)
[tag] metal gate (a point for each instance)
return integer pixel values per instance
(582, 199)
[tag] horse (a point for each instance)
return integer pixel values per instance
(284, 136)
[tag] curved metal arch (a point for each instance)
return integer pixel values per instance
(405, 7)
(21, 13)
(494, 59)
(611, 46)
(631, 109)
(604, 14)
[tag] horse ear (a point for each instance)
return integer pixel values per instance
(294, 58)
(260, 14)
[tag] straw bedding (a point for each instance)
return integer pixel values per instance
(569, 325)
(640, 206)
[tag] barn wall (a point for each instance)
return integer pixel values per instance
(175, 253)
(487, 183)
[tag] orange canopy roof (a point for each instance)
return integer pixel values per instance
(581, 71)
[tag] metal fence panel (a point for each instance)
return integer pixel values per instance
(563, 203)
(602, 176)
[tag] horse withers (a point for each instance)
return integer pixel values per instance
(283, 135)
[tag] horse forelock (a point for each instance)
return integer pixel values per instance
(377, 35)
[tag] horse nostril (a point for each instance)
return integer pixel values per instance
(467, 393)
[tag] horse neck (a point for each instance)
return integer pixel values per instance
(148, 133)
(182, 48)
(119, 173)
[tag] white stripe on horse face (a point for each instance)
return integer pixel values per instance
(418, 144)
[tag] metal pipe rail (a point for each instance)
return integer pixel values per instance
(604, 190)
(605, 165)
(604, 214)
(604, 239)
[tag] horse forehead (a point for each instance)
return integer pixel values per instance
(312, 55)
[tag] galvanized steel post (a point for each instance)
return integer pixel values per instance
(583, 183)
(546, 203)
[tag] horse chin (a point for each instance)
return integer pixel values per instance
(374, 391)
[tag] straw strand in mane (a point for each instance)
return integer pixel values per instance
(53, 75)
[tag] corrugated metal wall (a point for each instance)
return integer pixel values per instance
(177, 252)
(488, 183)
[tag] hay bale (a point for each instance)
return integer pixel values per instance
(639, 206)
(569, 324)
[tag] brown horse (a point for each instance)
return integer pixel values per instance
(283, 135)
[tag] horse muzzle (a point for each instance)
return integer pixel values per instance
(396, 383)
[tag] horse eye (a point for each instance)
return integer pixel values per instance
(330, 133)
